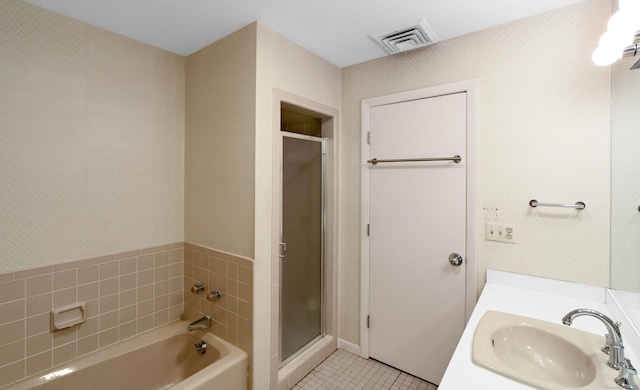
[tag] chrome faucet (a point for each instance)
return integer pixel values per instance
(625, 377)
(613, 346)
(201, 323)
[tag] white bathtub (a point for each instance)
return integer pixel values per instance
(162, 358)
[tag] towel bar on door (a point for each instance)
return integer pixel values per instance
(577, 205)
(456, 159)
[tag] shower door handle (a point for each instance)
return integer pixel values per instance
(283, 250)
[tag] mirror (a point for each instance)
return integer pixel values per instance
(625, 186)
(625, 180)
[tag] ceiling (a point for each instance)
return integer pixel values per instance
(336, 30)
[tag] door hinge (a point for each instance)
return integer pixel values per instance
(368, 322)
(368, 138)
(368, 230)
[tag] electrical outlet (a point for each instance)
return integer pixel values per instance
(501, 232)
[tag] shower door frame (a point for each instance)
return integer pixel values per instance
(323, 219)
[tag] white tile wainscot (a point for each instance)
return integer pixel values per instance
(534, 297)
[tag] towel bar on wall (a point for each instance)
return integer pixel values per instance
(577, 205)
(456, 159)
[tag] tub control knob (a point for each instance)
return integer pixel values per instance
(197, 288)
(213, 296)
(201, 347)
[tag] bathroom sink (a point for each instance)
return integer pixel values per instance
(540, 353)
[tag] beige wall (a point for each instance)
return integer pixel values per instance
(91, 141)
(284, 65)
(220, 144)
(543, 134)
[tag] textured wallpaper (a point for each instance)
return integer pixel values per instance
(543, 134)
(220, 144)
(91, 140)
(625, 182)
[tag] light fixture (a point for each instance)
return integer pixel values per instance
(622, 36)
(632, 6)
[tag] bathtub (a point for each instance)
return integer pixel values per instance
(163, 358)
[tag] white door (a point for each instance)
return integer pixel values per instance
(417, 220)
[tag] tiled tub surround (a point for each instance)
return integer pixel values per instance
(126, 294)
(233, 276)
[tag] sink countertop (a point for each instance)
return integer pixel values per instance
(540, 298)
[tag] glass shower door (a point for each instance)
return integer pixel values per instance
(302, 243)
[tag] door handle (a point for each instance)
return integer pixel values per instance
(455, 259)
(283, 250)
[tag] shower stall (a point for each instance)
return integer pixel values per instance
(301, 243)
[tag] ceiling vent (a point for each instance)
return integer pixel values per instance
(407, 36)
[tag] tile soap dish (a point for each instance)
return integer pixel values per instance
(68, 316)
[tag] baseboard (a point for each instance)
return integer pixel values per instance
(349, 347)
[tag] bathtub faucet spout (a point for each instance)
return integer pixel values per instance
(202, 323)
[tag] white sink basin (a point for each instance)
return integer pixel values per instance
(540, 353)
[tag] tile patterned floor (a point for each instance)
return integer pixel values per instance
(345, 371)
